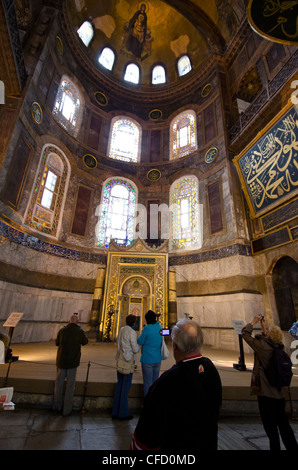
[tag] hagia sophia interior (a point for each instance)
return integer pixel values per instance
(148, 160)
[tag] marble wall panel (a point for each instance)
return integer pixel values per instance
(216, 313)
(44, 311)
(19, 255)
(216, 269)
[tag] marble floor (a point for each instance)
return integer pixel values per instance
(40, 429)
(35, 428)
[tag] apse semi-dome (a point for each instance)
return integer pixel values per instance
(149, 34)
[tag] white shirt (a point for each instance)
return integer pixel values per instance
(127, 341)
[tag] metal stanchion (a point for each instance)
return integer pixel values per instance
(83, 410)
(7, 373)
(241, 363)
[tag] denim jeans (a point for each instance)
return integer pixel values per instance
(120, 402)
(150, 374)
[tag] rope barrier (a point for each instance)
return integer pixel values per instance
(99, 364)
(54, 364)
(222, 368)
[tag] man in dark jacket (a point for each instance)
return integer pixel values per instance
(181, 409)
(69, 341)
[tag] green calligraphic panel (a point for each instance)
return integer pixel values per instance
(278, 238)
(269, 169)
(280, 215)
(276, 20)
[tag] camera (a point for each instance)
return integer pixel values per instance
(165, 332)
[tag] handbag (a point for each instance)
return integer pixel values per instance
(123, 366)
(164, 350)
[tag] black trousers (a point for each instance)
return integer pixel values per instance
(275, 421)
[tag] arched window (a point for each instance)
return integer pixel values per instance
(185, 226)
(50, 183)
(86, 32)
(107, 58)
(125, 140)
(183, 134)
(48, 194)
(184, 65)
(68, 106)
(158, 75)
(117, 211)
(132, 73)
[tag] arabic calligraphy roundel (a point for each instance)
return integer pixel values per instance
(276, 20)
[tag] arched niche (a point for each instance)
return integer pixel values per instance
(136, 299)
(285, 284)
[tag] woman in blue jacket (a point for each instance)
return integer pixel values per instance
(150, 340)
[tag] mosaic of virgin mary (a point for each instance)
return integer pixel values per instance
(137, 37)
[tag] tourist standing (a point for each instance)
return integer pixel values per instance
(127, 347)
(69, 341)
(150, 341)
(271, 399)
(181, 409)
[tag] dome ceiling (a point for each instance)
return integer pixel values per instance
(173, 28)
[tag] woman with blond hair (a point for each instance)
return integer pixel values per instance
(271, 399)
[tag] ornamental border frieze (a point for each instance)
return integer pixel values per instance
(30, 241)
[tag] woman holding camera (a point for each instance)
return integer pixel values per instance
(271, 399)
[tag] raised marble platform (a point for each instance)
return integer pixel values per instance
(33, 376)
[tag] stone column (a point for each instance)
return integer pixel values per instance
(96, 303)
(172, 305)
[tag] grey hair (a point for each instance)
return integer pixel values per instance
(188, 336)
(74, 318)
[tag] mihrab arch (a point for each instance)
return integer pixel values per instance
(136, 281)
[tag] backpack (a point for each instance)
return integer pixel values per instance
(279, 372)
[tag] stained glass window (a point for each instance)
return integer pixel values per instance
(184, 65)
(185, 223)
(49, 189)
(132, 73)
(86, 32)
(67, 108)
(117, 212)
(183, 134)
(106, 58)
(158, 75)
(48, 194)
(125, 140)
